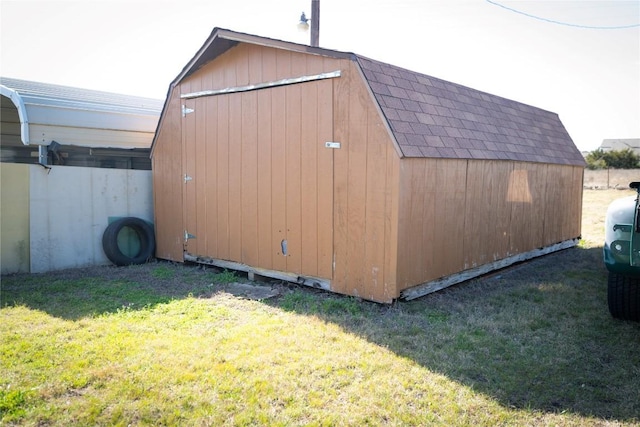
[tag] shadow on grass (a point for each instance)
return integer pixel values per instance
(537, 336)
(77, 293)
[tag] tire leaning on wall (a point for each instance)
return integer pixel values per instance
(145, 234)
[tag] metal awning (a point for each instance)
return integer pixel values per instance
(81, 117)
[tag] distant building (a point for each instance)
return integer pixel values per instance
(621, 144)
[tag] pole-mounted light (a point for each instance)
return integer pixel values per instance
(303, 25)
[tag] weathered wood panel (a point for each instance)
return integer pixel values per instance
(189, 172)
(211, 177)
(265, 150)
(199, 185)
(168, 184)
(278, 178)
(235, 177)
(293, 179)
(526, 194)
(325, 170)
(249, 171)
(450, 196)
(480, 212)
(486, 216)
(309, 152)
(220, 126)
(364, 196)
(271, 177)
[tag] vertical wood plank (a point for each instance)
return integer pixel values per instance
(341, 118)
(269, 65)
(167, 183)
(375, 206)
(392, 221)
(266, 250)
(211, 176)
(429, 221)
(450, 200)
(190, 170)
(199, 183)
(222, 169)
(309, 146)
(254, 54)
(278, 177)
(357, 189)
(235, 177)
(249, 179)
(325, 180)
(498, 181)
(293, 178)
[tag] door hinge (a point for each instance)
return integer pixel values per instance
(187, 178)
(186, 110)
(331, 144)
(188, 236)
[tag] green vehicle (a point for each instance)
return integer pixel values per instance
(622, 256)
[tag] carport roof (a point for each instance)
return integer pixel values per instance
(52, 106)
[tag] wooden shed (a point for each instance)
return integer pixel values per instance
(337, 171)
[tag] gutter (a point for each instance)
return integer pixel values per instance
(22, 111)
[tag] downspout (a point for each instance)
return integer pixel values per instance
(22, 111)
(15, 97)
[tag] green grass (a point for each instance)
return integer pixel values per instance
(163, 344)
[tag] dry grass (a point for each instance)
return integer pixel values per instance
(593, 212)
(165, 344)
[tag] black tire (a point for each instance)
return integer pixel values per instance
(623, 295)
(145, 234)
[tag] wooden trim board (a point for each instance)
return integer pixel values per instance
(443, 282)
(314, 282)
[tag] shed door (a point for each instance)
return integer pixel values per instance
(259, 186)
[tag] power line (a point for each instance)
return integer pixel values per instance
(568, 24)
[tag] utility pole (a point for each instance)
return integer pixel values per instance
(315, 23)
(303, 25)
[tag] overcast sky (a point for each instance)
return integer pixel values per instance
(580, 59)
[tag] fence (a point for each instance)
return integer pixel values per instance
(610, 178)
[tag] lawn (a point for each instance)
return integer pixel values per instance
(167, 344)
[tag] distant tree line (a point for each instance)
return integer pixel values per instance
(615, 159)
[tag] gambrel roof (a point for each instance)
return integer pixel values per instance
(430, 117)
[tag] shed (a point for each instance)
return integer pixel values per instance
(337, 171)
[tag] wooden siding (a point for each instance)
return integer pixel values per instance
(168, 183)
(365, 194)
(460, 214)
(346, 198)
(260, 172)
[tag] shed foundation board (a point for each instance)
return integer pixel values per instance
(314, 282)
(444, 282)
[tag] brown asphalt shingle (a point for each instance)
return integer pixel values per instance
(430, 117)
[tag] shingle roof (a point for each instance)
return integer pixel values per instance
(430, 117)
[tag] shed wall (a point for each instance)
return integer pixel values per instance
(168, 182)
(350, 223)
(460, 214)
(365, 194)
